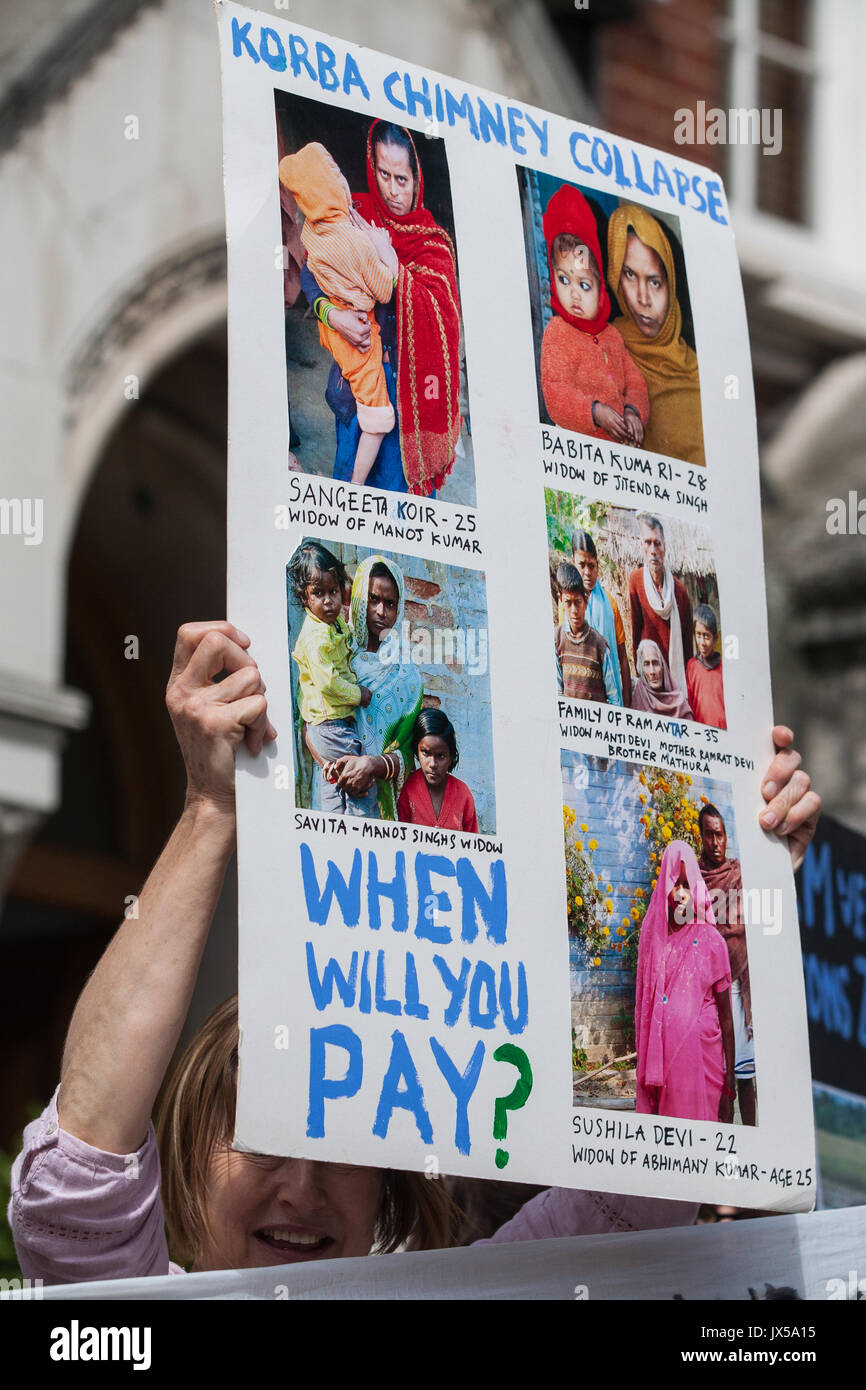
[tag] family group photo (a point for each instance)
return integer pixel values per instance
(635, 607)
(375, 368)
(611, 318)
(390, 687)
(660, 991)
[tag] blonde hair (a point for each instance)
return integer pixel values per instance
(196, 1116)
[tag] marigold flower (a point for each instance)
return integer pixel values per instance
(608, 905)
(579, 844)
(705, 800)
(578, 902)
(620, 930)
(642, 799)
(605, 931)
(593, 844)
(596, 960)
(583, 827)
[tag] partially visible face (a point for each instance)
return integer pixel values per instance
(577, 289)
(324, 597)
(714, 839)
(434, 759)
(382, 601)
(653, 671)
(653, 543)
(704, 640)
(643, 284)
(680, 900)
(273, 1211)
(394, 177)
(574, 605)
(588, 566)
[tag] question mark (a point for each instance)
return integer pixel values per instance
(515, 1099)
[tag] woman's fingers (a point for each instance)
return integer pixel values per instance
(252, 713)
(246, 681)
(189, 636)
(214, 653)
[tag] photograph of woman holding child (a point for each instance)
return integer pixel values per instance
(384, 725)
(398, 327)
(364, 732)
(632, 377)
(684, 1032)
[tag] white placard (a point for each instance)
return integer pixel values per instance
(375, 1041)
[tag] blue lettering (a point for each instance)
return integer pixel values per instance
(384, 1005)
(241, 40)
(541, 131)
(714, 201)
(408, 1097)
(576, 136)
(277, 59)
(516, 130)
(332, 978)
(395, 889)
(463, 108)
(598, 145)
(326, 60)
(321, 1087)
(413, 1006)
(425, 865)
(622, 178)
(701, 205)
(817, 877)
(414, 97)
(456, 987)
(483, 978)
(515, 1023)
(365, 993)
(348, 895)
(352, 77)
(492, 905)
(639, 180)
(682, 181)
(388, 87)
(299, 51)
(462, 1086)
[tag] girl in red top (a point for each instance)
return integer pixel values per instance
(431, 795)
(589, 381)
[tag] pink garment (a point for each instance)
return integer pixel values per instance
(78, 1213)
(680, 1055)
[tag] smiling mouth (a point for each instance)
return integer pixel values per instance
(293, 1244)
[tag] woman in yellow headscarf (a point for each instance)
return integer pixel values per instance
(641, 270)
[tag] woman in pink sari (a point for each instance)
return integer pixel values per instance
(683, 1026)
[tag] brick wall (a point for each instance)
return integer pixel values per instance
(668, 56)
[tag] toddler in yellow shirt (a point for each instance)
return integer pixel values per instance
(328, 692)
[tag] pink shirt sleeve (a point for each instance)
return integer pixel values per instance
(79, 1213)
(564, 1211)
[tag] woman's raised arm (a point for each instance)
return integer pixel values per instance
(128, 1019)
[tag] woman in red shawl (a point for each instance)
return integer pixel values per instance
(684, 1031)
(420, 327)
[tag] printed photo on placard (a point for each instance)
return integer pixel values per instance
(635, 608)
(611, 318)
(390, 687)
(375, 370)
(657, 915)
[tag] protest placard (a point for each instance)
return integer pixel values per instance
(494, 530)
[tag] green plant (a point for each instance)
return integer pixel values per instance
(566, 513)
(589, 900)
(579, 1059)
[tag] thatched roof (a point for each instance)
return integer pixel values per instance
(687, 544)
